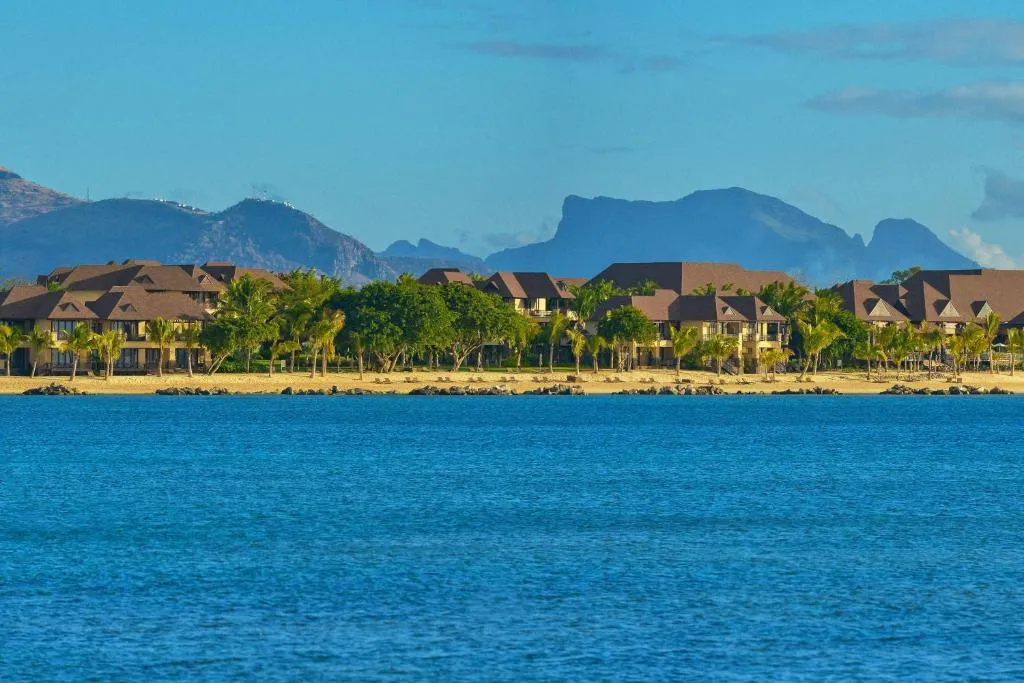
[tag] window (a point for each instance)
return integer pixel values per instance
(130, 328)
(61, 359)
(129, 358)
(152, 358)
(62, 327)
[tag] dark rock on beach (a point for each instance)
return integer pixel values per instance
(815, 391)
(187, 391)
(54, 389)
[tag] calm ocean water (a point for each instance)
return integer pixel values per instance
(308, 538)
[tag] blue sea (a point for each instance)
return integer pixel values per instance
(532, 538)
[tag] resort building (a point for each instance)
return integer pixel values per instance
(686, 277)
(535, 295)
(122, 297)
(746, 320)
(947, 298)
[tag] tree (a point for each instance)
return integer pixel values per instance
(868, 350)
(76, 341)
(788, 299)
(161, 333)
(218, 337)
(1014, 345)
(39, 340)
(770, 359)
(557, 325)
(10, 339)
(322, 337)
(586, 299)
(990, 327)
(594, 345)
(521, 331)
(814, 338)
(477, 319)
(975, 342)
(898, 277)
(279, 348)
(684, 340)
(930, 340)
(189, 336)
(249, 303)
(720, 348)
(109, 345)
(577, 344)
(627, 327)
(708, 289)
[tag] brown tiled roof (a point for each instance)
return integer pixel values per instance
(135, 303)
(873, 302)
(966, 295)
(151, 275)
(31, 302)
(528, 286)
(226, 272)
(686, 276)
(441, 276)
(667, 305)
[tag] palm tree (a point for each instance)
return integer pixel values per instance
(930, 340)
(39, 340)
(109, 345)
(10, 339)
(1014, 345)
(788, 300)
(991, 331)
(868, 351)
(959, 350)
(577, 343)
(557, 326)
(76, 341)
(815, 338)
(769, 359)
(161, 333)
(322, 335)
(975, 342)
(719, 347)
(249, 303)
(684, 340)
(280, 348)
(594, 346)
(189, 338)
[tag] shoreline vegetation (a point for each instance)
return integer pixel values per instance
(654, 381)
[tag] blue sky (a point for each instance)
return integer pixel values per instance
(468, 122)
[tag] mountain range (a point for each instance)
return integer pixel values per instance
(41, 228)
(733, 225)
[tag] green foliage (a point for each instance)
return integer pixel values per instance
(10, 339)
(588, 297)
(898, 277)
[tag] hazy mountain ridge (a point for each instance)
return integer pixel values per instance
(406, 257)
(21, 199)
(734, 225)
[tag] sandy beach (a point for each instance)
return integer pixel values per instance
(606, 382)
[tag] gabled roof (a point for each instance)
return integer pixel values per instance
(442, 276)
(684, 277)
(150, 274)
(226, 272)
(666, 305)
(872, 302)
(30, 302)
(135, 303)
(527, 286)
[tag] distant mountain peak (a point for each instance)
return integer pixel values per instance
(20, 198)
(730, 224)
(418, 258)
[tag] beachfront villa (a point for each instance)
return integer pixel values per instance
(948, 299)
(119, 296)
(725, 306)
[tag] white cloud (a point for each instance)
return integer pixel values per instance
(988, 255)
(959, 42)
(991, 101)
